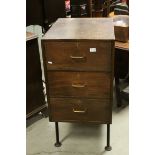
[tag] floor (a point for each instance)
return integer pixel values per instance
(78, 139)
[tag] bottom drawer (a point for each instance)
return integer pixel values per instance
(80, 110)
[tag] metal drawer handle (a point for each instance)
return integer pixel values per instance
(77, 57)
(79, 111)
(78, 85)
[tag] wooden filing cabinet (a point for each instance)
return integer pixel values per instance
(78, 61)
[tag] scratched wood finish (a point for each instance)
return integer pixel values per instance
(77, 55)
(77, 79)
(80, 110)
(82, 29)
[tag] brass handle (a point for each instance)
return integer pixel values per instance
(79, 111)
(78, 85)
(77, 57)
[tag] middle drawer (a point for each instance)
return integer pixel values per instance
(79, 84)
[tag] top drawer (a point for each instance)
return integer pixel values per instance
(86, 55)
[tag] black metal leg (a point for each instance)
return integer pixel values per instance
(57, 144)
(108, 147)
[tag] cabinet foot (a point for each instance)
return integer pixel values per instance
(108, 148)
(57, 144)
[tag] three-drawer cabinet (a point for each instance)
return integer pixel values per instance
(78, 61)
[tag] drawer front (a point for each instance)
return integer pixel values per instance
(80, 110)
(79, 84)
(78, 55)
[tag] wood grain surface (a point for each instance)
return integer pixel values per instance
(78, 55)
(81, 28)
(79, 81)
(122, 45)
(79, 84)
(80, 110)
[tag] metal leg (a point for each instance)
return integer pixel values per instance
(108, 147)
(57, 144)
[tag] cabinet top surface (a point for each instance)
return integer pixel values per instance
(81, 29)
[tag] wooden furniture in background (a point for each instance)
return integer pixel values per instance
(44, 12)
(53, 9)
(34, 12)
(122, 45)
(80, 8)
(35, 100)
(97, 10)
(100, 8)
(121, 31)
(121, 68)
(79, 71)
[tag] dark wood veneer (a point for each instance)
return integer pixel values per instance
(79, 84)
(78, 61)
(76, 55)
(74, 73)
(80, 110)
